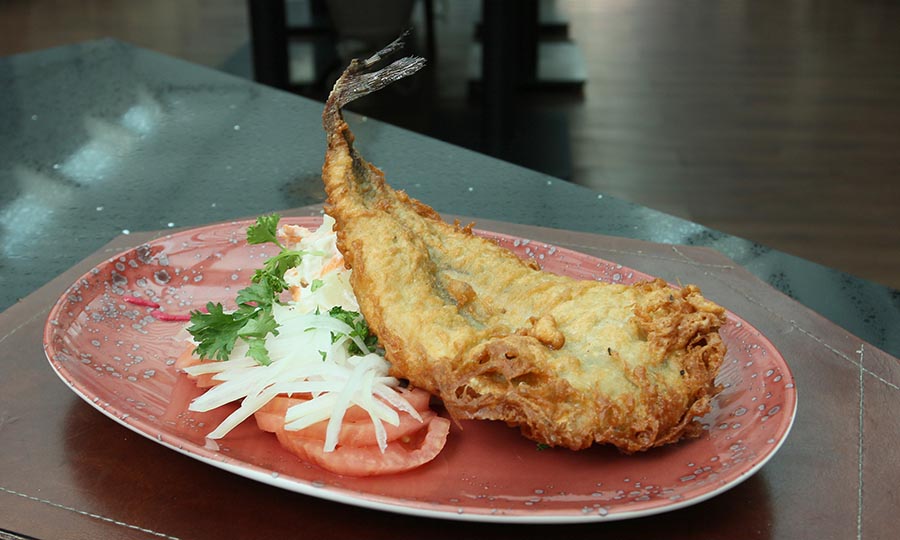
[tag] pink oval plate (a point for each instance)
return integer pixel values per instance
(119, 358)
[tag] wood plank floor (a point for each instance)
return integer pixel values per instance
(774, 121)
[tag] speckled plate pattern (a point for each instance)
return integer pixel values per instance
(119, 358)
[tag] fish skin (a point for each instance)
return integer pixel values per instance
(570, 363)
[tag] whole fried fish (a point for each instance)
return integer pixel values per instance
(570, 362)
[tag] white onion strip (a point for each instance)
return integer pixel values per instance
(310, 356)
(217, 367)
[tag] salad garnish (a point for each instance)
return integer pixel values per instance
(317, 345)
(216, 331)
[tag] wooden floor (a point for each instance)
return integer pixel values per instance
(774, 121)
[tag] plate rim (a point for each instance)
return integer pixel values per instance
(399, 506)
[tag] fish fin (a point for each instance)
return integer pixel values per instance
(358, 80)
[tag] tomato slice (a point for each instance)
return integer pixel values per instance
(359, 432)
(279, 404)
(362, 432)
(410, 444)
(416, 397)
(403, 454)
(187, 359)
(269, 421)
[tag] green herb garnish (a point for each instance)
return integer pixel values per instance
(216, 332)
(316, 285)
(266, 231)
(360, 329)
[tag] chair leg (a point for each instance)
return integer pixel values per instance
(268, 31)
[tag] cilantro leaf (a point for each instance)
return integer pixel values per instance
(345, 316)
(264, 230)
(259, 293)
(360, 329)
(273, 271)
(216, 332)
(316, 285)
(258, 351)
(261, 324)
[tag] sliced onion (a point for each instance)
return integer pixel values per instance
(249, 405)
(216, 367)
(336, 382)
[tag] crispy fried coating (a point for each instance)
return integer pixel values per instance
(570, 362)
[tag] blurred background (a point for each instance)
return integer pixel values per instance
(774, 121)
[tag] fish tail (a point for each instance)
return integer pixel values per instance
(351, 183)
(359, 80)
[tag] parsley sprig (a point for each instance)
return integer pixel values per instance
(216, 331)
(360, 329)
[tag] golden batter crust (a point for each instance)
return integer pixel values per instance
(571, 363)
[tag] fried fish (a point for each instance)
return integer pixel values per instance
(570, 362)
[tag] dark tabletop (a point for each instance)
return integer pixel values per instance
(101, 138)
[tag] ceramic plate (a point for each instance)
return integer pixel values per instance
(119, 358)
